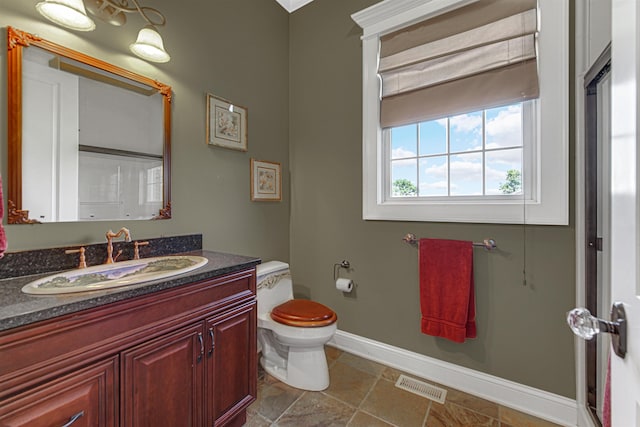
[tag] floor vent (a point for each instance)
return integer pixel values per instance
(423, 389)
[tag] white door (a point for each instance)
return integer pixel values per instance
(625, 205)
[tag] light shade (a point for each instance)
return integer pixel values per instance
(149, 45)
(68, 13)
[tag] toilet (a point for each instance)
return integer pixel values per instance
(291, 332)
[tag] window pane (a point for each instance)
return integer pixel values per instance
(504, 127)
(403, 178)
(504, 172)
(404, 142)
(466, 132)
(433, 137)
(433, 176)
(466, 174)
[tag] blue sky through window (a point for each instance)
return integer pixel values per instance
(466, 132)
(433, 137)
(404, 142)
(466, 174)
(434, 176)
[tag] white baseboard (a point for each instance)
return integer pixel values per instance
(539, 403)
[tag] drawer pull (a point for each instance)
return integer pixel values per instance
(74, 418)
(199, 358)
(213, 343)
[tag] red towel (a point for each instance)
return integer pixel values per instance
(446, 289)
(3, 237)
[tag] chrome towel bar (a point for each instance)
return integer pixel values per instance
(488, 244)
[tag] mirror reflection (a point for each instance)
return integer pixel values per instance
(94, 140)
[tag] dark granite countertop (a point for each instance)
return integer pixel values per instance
(18, 308)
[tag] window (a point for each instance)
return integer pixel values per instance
(468, 155)
(493, 146)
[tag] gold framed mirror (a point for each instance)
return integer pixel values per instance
(87, 140)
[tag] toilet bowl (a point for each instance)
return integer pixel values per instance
(291, 332)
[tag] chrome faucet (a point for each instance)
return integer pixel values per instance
(110, 236)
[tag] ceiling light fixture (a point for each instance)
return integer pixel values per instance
(148, 45)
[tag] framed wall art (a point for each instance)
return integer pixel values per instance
(226, 124)
(266, 181)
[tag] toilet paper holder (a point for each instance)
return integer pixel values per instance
(337, 266)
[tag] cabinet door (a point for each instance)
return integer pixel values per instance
(231, 365)
(162, 381)
(85, 398)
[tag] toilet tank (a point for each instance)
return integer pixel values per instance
(274, 285)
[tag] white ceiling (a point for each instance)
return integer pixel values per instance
(291, 5)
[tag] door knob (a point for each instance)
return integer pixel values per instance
(586, 326)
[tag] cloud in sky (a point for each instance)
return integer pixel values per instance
(466, 123)
(402, 153)
(508, 159)
(505, 129)
(436, 185)
(466, 132)
(460, 170)
(464, 173)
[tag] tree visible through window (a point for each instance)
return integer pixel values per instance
(513, 183)
(404, 187)
(472, 154)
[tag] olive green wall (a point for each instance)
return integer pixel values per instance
(234, 49)
(522, 334)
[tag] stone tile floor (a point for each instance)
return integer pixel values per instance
(363, 394)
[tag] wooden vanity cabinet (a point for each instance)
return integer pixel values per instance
(180, 357)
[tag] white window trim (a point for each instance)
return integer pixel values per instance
(550, 204)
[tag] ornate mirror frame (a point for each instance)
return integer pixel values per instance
(16, 41)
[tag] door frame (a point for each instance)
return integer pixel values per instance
(600, 68)
(581, 58)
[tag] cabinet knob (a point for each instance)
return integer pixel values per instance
(74, 418)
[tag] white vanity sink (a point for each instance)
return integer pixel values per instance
(108, 276)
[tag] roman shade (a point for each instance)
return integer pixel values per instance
(479, 56)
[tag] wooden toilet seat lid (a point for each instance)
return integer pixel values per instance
(303, 313)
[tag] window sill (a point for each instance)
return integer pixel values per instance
(516, 212)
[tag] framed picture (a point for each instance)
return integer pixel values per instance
(226, 124)
(266, 181)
